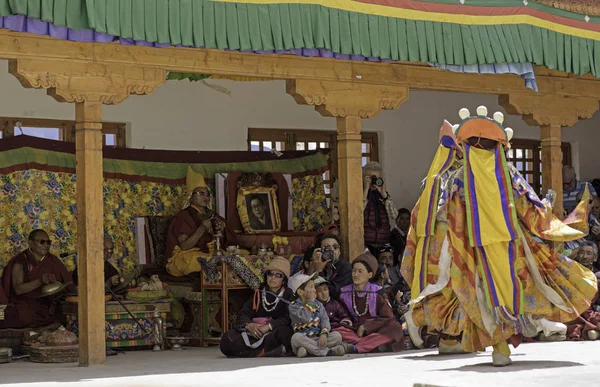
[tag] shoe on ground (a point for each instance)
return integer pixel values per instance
(593, 335)
(500, 360)
(385, 348)
(279, 351)
(338, 350)
(453, 348)
(301, 352)
(349, 348)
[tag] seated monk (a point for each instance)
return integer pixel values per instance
(8, 314)
(191, 233)
(112, 278)
(24, 276)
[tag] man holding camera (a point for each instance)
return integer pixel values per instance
(379, 210)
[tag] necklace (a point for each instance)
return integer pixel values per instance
(270, 306)
(359, 314)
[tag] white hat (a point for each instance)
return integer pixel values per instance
(299, 279)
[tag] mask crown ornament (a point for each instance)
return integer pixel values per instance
(482, 111)
(482, 126)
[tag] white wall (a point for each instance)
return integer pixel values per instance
(190, 116)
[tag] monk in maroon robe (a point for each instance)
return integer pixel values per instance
(24, 276)
(8, 314)
(192, 232)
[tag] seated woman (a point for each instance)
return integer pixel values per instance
(587, 325)
(192, 232)
(373, 323)
(264, 328)
(326, 260)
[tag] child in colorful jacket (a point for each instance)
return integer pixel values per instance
(312, 330)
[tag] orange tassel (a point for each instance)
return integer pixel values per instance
(256, 300)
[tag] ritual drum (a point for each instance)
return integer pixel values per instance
(5, 355)
(45, 354)
(60, 347)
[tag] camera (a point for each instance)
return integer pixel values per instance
(378, 181)
(327, 253)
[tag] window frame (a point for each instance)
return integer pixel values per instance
(536, 147)
(66, 127)
(291, 137)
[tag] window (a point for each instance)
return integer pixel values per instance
(265, 140)
(113, 134)
(526, 156)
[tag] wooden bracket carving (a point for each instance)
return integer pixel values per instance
(342, 99)
(73, 81)
(538, 110)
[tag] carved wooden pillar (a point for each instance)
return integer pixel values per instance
(550, 113)
(89, 85)
(348, 102)
(552, 164)
(90, 244)
(350, 179)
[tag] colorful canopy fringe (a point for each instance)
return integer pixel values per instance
(434, 31)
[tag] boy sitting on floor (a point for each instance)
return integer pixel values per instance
(312, 331)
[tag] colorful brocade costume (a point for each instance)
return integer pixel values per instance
(478, 269)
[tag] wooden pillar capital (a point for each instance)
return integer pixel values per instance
(550, 113)
(349, 102)
(540, 110)
(72, 81)
(341, 99)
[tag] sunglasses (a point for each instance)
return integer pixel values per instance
(274, 274)
(386, 249)
(44, 241)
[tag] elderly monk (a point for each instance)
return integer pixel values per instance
(24, 276)
(192, 232)
(111, 275)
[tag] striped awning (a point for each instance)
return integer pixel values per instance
(445, 32)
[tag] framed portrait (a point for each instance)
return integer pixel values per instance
(258, 210)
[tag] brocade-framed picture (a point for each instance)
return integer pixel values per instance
(258, 210)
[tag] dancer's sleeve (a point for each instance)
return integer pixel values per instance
(543, 223)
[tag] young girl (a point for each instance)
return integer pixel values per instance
(373, 323)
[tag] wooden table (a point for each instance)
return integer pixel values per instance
(120, 330)
(215, 298)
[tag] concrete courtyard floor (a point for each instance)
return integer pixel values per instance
(541, 364)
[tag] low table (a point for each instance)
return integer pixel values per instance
(120, 330)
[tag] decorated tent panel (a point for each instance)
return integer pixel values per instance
(38, 190)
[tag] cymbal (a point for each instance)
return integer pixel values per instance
(53, 288)
(125, 281)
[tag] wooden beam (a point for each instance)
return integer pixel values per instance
(15, 45)
(350, 185)
(90, 239)
(552, 164)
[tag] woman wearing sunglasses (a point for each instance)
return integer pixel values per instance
(24, 276)
(263, 324)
